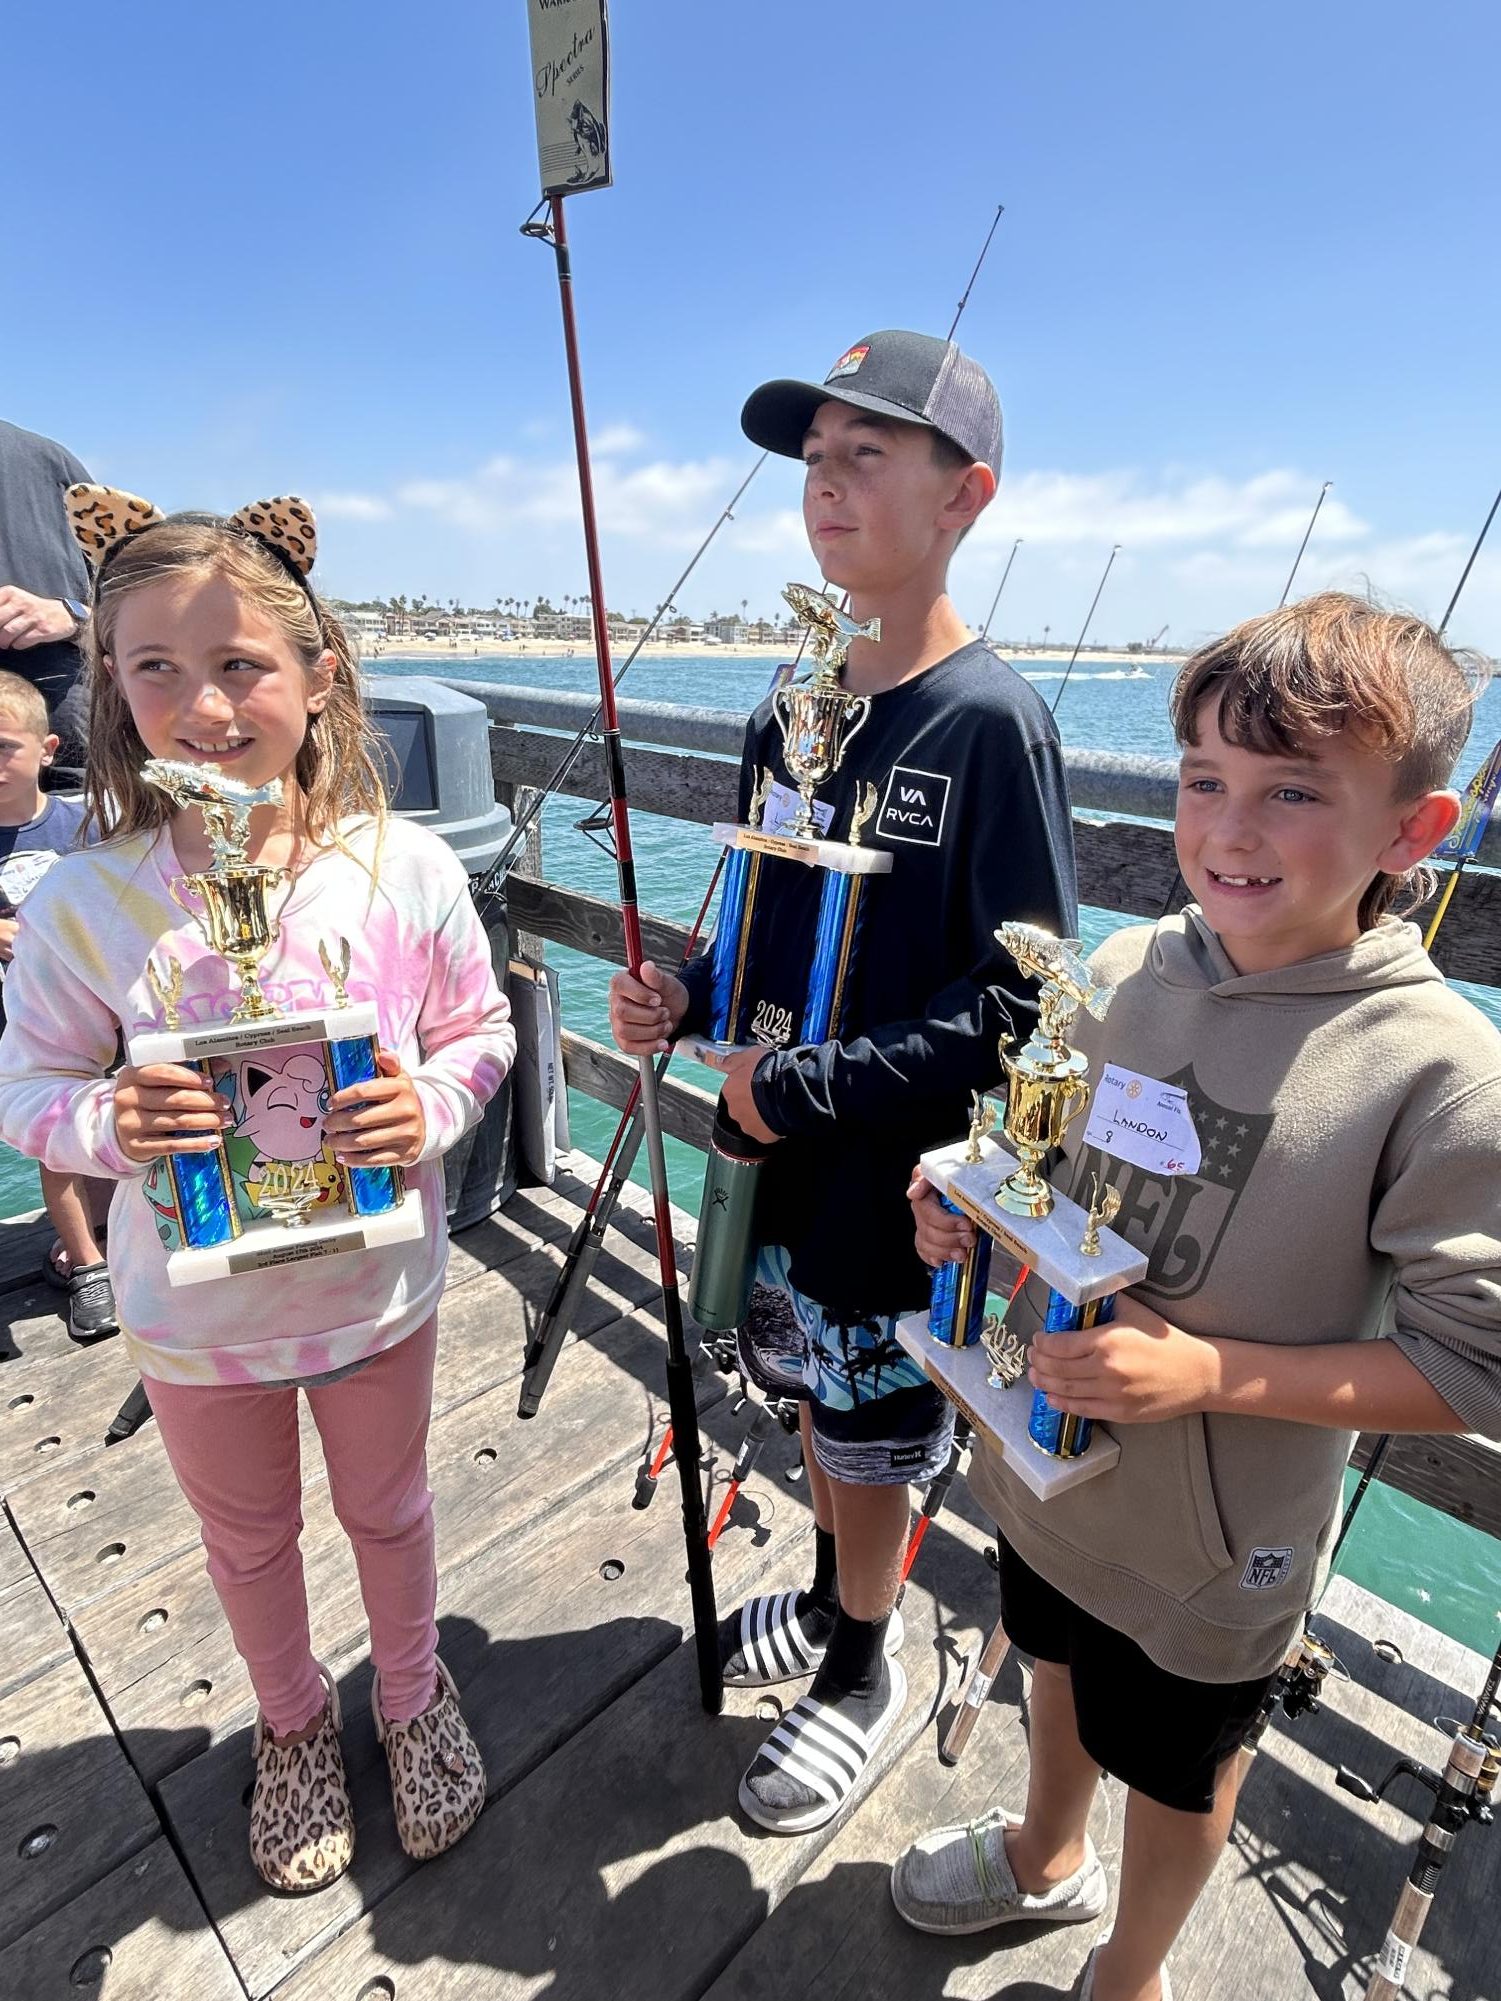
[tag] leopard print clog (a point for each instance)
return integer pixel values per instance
(437, 1775)
(301, 1822)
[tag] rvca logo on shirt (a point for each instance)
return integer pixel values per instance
(914, 806)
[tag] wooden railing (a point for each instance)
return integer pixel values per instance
(682, 762)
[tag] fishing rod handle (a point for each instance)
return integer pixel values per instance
(1402, 1935)
(976, 1694)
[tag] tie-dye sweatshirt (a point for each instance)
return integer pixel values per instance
(418, 950)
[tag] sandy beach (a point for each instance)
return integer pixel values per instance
(690, 650)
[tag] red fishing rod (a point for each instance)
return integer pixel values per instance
(681, 1401)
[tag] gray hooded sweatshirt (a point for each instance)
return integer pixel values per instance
(1349, 1111)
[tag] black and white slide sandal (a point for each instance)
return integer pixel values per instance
(824, 1753)
(775, 1646)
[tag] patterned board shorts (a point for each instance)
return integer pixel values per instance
(877, 1421)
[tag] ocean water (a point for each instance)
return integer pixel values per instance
(1439, 1570)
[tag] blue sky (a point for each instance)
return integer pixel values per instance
(1244, 251)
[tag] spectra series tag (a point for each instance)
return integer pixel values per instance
(1140, 1120)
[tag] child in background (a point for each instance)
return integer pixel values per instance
(1332, 1266)
(35, 828)
(209, 646)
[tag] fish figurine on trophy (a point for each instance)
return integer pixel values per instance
(271, 1192)
(818, 720)
(973, 1358)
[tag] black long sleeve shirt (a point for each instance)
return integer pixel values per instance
(974, 810)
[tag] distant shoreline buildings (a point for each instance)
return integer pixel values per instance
(394, 619)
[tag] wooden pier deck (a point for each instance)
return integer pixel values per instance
(611, 1860)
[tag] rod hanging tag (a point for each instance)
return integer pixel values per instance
(571, 85)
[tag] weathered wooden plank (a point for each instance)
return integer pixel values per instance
(55, 1409)
(540, 1639)
(1126, 867)
(32, 1637)
(32, 1327)
(1460, 1474)
(664, 1879)
(167, 1700)
(683, 786)
(589, 924)
(139, 1934)
(70, 1806)
(687, 1112)
(23, 1245)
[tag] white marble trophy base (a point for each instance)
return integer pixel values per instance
(962, 1374)
(243, 1038)
(263, 1246)
(838, 856)
(1049, 1244)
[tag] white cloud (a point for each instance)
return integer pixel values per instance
(1201, 550)
(351, 507)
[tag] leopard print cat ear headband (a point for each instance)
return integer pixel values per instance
(102, 518)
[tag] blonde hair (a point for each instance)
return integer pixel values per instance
(338, 763)
(1286, 681)
(23, 703)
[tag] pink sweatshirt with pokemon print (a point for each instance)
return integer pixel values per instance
(418, 950)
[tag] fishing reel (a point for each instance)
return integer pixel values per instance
(1298, 1686)
(1462, 1791)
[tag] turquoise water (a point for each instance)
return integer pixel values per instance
(1436, 1568)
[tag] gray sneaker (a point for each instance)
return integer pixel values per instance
(958, 1879)
(91, 1304)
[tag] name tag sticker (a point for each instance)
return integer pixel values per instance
(782, 807)
(1140, 1120)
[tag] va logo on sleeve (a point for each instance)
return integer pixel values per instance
(914, 806)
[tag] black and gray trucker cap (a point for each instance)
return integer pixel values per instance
(910, 376)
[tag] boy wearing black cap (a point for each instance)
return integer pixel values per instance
(901, 446)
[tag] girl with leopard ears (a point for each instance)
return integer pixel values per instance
(266, 552)
(208, 644)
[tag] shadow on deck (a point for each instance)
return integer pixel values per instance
(611, 1860)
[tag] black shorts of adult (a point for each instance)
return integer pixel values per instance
(1158, 1733)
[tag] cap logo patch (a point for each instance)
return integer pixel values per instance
(848, 362)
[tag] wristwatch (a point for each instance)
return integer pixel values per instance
(79, 613)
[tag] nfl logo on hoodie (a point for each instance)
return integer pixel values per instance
(1266, 1569)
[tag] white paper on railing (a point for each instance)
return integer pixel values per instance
(571, 83)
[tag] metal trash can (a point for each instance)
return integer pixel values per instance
(437, 745)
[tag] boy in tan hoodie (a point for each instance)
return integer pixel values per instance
(1333, 1266)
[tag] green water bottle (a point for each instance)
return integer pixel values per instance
(724, 1262)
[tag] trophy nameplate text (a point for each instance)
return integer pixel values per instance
(271, 1193)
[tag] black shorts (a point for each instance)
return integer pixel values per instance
(1159, 1733)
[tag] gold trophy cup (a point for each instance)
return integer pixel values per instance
(1045, 1084)
(818, 720)
(234, 892)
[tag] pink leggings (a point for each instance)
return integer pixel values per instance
(234, 1450)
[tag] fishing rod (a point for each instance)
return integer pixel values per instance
(1000, 210)
(589, 1234)
(1083, 633)
(1297, 560)
(1462, 1793)
(572, 152)
(985, 628)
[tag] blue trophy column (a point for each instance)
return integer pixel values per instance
(834, 941)
(204, 1196)
(956, 1309)
(372, 1190)
(1058, 1432)
(732, 942)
